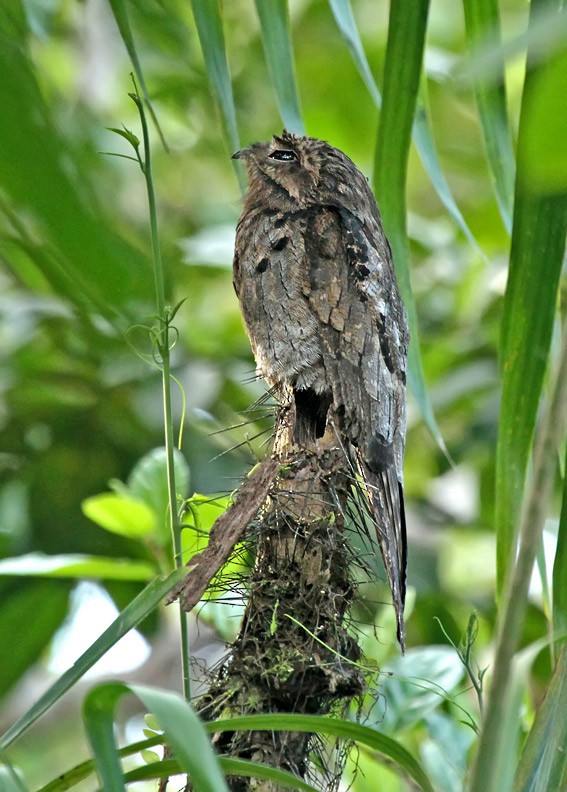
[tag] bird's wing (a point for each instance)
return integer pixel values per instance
(353, 293)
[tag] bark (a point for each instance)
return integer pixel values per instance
(299, 664)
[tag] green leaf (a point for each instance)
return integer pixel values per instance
(11, 780)
(545, 119)
(76, 566)
(120, 515)
(69, 221)
(342, 11)
(40, 605)
(182, 727)
(230, 766)
(401, 84)
(148, 483)
(346, 730)
(538, 242)
(120, 11)
(483, 22)
(129, 618)
(536, 258)
(422, 135)
(278, 47)
(208, 19)
(416, 685)
(559, 597)
(132, 139)
(543, 762)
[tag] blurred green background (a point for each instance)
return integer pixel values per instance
(78, 407)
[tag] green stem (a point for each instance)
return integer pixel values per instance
(164, 349)
(514, 607)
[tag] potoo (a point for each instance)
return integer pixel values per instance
(314, 276)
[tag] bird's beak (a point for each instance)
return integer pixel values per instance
(240, 154)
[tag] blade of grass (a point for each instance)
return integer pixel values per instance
(342, 11)
(129, 618)
(182, 728)
(318, 724)
(120, 12)
(536, 258)
(278, 48)
(559, 596)
(369, 738)
(422, 135)
(207, 14)
(482, 23)
(406, 36)
(543, 763)
(511, 617)
(230, 766)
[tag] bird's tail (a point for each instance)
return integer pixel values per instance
(386, 500)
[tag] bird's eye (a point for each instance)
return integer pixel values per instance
(283, 155)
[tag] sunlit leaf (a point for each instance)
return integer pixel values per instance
(76, 566)
(121, 515)
(545, 119)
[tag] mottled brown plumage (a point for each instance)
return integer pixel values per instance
(314, 275)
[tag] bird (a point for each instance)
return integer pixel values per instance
(314, 276)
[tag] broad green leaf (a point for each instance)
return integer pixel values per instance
(148, 483)
(422, 135)
(207, 14)
(416, 685)
(120, 514)
(278, 47)
(482, 23)
(130, 617)
(76, 566)
(31, 612)
(543, 762)
(559, 597)
(183, 730)
(401, 84)
(120, 11)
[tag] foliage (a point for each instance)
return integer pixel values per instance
(84, 365)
